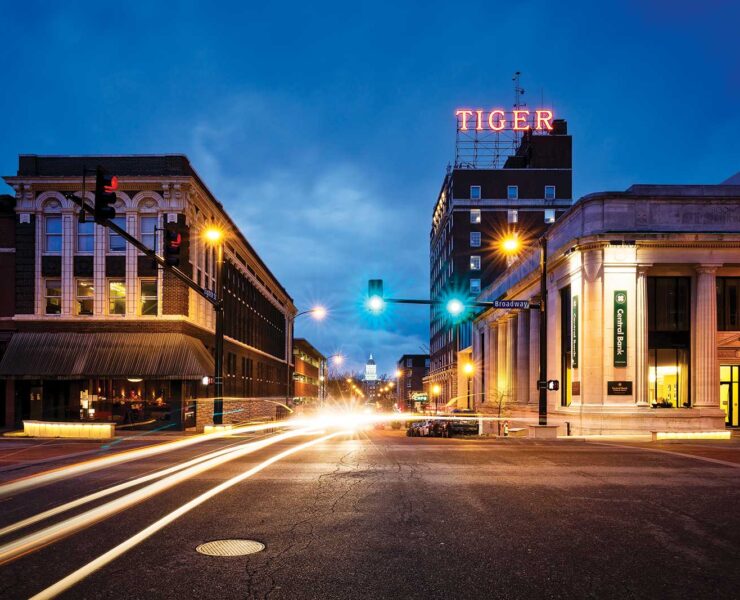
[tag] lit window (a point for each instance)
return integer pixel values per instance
(53, 296)
(116, 297)
(148, 233)
(475, 192)
(475, 239)
(512, 192)
(549, 216)
(85, 236)
(549, 192)
(148, 289)
(115, 241)
(475, 215)
(513, 216)
(85, 297)
(475, 263)
(475, 286)
(53, 233)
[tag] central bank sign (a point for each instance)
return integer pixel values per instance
(620, 328)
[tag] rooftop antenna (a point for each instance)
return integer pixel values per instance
(518, 104)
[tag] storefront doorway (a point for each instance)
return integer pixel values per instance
(729, 382)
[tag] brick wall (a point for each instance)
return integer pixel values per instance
(236, 411)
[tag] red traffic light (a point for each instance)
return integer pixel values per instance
(112, 185)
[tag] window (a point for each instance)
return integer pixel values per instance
(85, 297)
(728, 315)
(512, 192)
(475, 286)
(549, 216)
(409, 362)
(53, 297)
(512, 216)
(115, 241)
(475, 192)
(475, 239)
(116, 297)
(53, 234)
(475, 263)
(147, 231)
(148, 293)
(475, 215)
(86, 236)
(668, 380)
(549, 192)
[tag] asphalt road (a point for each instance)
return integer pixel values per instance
(384, 516)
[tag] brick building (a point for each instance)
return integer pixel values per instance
(410, 370)
(97, 331)
(309, 376)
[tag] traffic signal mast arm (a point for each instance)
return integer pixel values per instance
(207, 294)
(492, 304)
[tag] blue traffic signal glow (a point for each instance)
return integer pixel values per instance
(376, 304)
(455, 307)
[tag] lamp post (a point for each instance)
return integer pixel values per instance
(469, 369)
(436, 391)
(318, 313)
(510, 245)
(214, 236)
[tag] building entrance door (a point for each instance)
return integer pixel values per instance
(729, 394)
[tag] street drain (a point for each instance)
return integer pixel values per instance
(230, 547)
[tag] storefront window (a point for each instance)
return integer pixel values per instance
(728, 313)
(85, 297)
(729, 393)
(669, 341)
(116, 297)
(53, 296)
(148, 297)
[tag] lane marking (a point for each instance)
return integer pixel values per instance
(717, 461)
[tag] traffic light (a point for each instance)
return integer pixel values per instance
(455, 307)
(172, 246)
(375, 301)
(105, 194)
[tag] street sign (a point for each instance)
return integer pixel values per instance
(209, 294)
(553, 385)
(510, 304)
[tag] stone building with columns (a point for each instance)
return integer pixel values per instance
(98, 332)
(643, 330)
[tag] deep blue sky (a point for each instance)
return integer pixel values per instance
(325, 128)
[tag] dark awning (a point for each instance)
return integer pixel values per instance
(105, 355)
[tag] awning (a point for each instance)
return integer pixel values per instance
(105, 355)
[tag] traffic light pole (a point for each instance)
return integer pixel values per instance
(542, 382)
(216, 299)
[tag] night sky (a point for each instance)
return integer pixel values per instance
(325, 128)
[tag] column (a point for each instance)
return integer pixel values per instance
(492, 370)
(534, 356)
(501, 391)
(706, 375)
(641, 338)
(132, 291)
(69, 291)
(522, 358)
(591, 335)
(511, 356)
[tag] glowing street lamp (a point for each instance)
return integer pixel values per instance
(511, 244)
(469, 369)
(214, 236)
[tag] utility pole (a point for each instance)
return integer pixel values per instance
(542, 383)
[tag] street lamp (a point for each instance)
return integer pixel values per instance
(214, 236)
(319, 313)
(469, 369)
(511, 245)
(436, 391)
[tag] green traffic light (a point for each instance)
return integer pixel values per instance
(376, 304)
(455, 307)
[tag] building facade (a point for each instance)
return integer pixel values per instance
(309, 376)
(99, 332)
(475, 210)
(370, 380)
(410, 370)
(643, 326)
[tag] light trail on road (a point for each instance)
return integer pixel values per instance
(39, 479)
(93, 566)
(52, 533)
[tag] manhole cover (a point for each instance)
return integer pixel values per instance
(230, 547)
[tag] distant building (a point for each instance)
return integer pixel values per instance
(411, 370)
(475, 210)
(310, 372)
(370, 379)
(98, 332)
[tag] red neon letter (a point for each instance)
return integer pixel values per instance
(520, 120)
(498, 125)
(544, 117)
(479, 120)
(464, 114)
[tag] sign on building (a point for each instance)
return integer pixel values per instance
(620, 328)
(574, 335)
